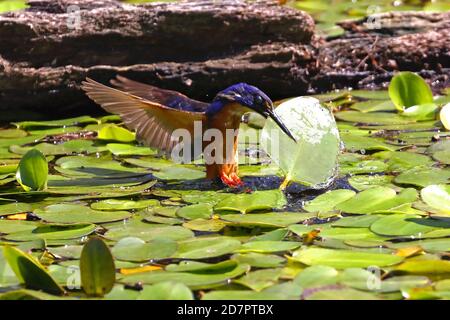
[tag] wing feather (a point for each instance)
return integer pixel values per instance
(154, 123)
(165, 97)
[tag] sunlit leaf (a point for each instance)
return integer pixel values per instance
(32, 172)
(408, 89)
(313, 158)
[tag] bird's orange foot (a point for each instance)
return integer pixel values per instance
(227, 180)
(236, 179)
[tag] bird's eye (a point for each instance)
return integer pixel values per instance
(259, 100)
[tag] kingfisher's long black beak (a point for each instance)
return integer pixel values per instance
(279, 123)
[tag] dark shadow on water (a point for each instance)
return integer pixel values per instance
(296, 194)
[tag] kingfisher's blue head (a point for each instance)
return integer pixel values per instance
(250, 97)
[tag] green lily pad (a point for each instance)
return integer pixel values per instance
(205, 225)
(10, 226)
(12, 133)
(273, 219)
(401, 161)
(313, 160)
(148, 232)
(260, 279)
(315, 276)
(200, 248)
(363, 182)
(377, 200)
(423, 177)
(437, 197)
(267, 246)
(342, 259)
(119, 204)
(259, 260)
(74, 213)
(258, 200)
(55, 123)
(195, 211)
(180, 173)
(66, 148)
(365, 166)
(192, 280)
(440, 151)
(13, 208)
(115, 133)
(355, 143)
(327, 201)
(403, 225)
(372, 118)
(202, 267)
(425, 267)
(53, 232)
(137, 250)
(166, 291)
(421, 112)
(373, 106)
(120, 149)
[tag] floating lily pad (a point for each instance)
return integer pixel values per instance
(192, 280)
(341, 259)
(363, 182)
(373, 118)
(437, 197)
(401, 161)
(377, 200)
(73, 213)
(148, 232)
(120, 149)
(403, 225)
(52, 232)
(137, 250)
(260, 279)
(327, 201)
(423, 177)
(195, 211)
(166, 291)
(200, 248)
(258, 200)
(259, 260)
(55, 123)
(119, 204)
(13, 208)
(115, 133)
(274, 219)
(206, 225)
(268, 246)
(355, 143)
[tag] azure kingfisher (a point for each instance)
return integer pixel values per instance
(156, 113)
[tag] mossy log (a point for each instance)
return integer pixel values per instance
(199, 47)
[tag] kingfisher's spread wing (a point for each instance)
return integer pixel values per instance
(169, 98)
(154, 123)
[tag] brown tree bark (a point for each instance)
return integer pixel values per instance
(200, 47)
